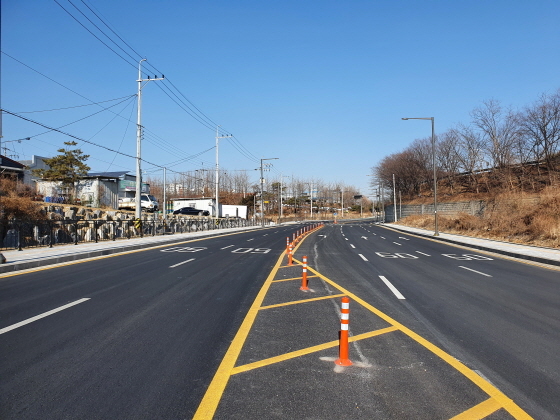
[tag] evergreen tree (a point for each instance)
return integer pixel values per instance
(66, 168)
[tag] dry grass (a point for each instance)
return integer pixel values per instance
(513, 217)
(16, 201)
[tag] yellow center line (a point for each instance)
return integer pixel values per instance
(296, 302)
(479, 411)
(482, 383)
(308, 350)
(293, 278)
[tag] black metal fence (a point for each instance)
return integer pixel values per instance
(15, 234)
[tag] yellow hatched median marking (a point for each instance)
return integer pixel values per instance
(479, 411)
(296, 302)
(291, 279)
(308, 350)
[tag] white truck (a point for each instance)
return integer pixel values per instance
(147, 202)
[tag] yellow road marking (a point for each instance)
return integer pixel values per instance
(213, 394)
(483, 384)
(296, 302)
(293, 278)
(479, 411)
(308, 350)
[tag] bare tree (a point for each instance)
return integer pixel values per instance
(541, 123)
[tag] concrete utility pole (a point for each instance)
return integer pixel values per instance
(218, 137)
(262, 191)
(138, 212)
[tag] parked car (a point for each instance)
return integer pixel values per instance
(192, 211)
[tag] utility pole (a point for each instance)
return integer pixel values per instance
(218, 137)
(138, 210)
(164, 194)
(262, 191)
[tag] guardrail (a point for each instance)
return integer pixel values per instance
(17, 234)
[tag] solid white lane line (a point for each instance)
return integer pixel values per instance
(229, 246)
(363, 258)
(352, 246)
(393, 288)
(43, 315)
(474, 271)
(427, 255)
(396, 243)
(181, 263)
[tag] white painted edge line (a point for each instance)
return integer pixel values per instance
(474, 271)
(396, 243)
(393, 288)
(427, 255)
(181, 263)
(43, 315)
(226, 247)
(363, 258)
(352, 246)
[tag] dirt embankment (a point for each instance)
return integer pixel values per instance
(532, 219)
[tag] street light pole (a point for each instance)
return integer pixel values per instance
(436, 230)
(138, 208)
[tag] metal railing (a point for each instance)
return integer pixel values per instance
(17, 234)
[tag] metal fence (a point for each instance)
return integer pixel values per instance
(15, 234)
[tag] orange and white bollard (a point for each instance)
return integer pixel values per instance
(304, 275)
(343, 359)
(290, 254)
(287, 245)
(293, 238)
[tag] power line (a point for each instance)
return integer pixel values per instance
(77, 106)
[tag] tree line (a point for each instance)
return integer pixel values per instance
(498, 148)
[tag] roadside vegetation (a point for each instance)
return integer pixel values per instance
(509, 159)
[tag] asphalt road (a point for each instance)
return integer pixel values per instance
(147, 331)
(499, 317)
(147, 340)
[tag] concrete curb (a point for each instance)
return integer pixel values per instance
(483, 248)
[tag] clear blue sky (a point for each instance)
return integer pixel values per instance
(322, 85)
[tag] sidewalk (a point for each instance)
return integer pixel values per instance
(526, 252)
(41, 256)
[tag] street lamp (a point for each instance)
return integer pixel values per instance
(436, 232)
(262, 192)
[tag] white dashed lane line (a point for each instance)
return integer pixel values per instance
(363, 258)
(474, 271)
(396, 243)
(181, 263)
(392, 288)
(352, 246)
(427, 255)
(229, 246)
